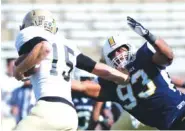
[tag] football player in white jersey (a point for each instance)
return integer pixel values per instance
(55, 59)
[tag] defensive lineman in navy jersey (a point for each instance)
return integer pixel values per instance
(150, 96)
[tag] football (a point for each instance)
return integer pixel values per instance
(30, 71)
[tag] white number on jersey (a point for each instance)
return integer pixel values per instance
(85, 116)
(130, 96)
(145, 82)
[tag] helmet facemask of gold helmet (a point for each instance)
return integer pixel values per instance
(41, 18)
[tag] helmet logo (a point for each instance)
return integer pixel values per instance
(111, 41)
(40, 19)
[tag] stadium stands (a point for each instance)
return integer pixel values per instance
(90, 24)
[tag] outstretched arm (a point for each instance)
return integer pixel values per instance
(110, 73)
(164, 55)
(102, 70)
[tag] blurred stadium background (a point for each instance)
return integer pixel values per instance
(89, 22)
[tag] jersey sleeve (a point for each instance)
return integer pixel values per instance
(145, 54)
(85, 63)
(29, 37)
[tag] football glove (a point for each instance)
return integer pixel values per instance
(142, 31)
(137, 27)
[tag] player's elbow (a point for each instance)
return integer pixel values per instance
(166, 51)
(170, 57)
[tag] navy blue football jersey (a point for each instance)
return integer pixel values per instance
(150, 97)
(84, 108)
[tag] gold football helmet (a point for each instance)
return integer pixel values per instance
(42, 18)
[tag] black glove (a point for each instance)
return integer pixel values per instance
(142, 31)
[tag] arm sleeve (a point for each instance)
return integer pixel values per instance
(29, 45)
(85, 63)
(29, 37)
(146, 52)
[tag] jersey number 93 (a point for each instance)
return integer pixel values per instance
(145, 81)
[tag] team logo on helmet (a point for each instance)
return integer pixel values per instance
(42, 18)
(111, 41)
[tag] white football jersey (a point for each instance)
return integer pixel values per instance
(53, 78)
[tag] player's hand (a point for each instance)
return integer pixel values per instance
(17, 75)
(137, 27)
